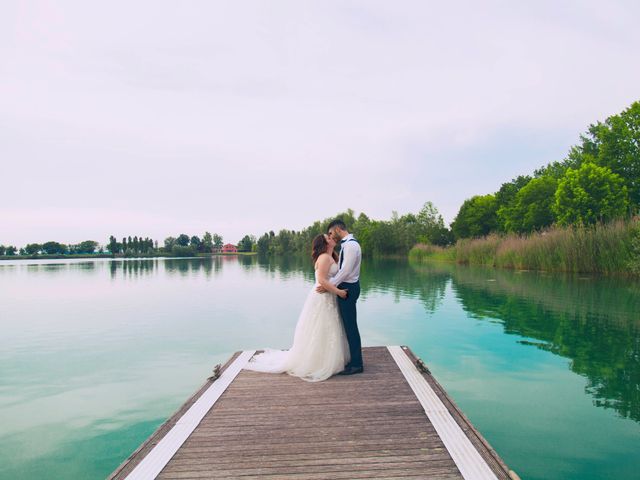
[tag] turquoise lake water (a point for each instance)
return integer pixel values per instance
(95, 354)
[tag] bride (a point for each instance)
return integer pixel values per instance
(320, 347)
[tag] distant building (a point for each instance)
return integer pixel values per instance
(228, 248)
(216, 249)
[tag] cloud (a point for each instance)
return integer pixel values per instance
(246, 117)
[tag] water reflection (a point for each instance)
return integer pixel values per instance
(592, 321)
(90, 363)
(132, 267)
(377, 276)
(392, 276)
(287, 267)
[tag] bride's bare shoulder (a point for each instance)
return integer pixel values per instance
(323, 259)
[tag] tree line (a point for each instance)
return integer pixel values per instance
(52, 248)
(598, 181)
(377, 237)
(181, 245)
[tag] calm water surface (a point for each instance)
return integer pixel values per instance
(94, 355)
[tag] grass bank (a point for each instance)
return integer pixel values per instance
(612, 248)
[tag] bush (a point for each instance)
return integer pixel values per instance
(590, 194)
(182, 251)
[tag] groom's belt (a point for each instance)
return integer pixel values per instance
(357, 282)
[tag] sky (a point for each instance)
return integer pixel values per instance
(156, 118)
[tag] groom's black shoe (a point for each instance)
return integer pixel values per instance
(351, 370)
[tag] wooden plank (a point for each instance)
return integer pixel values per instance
(408, 466)
(482, 445)
(318, 458)
(374, 418)
(160, 455)
(370, 425)
(138, 454)
(464, 454)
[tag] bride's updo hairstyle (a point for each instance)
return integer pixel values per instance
(319, 246)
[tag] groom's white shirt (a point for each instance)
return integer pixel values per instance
(351, 258)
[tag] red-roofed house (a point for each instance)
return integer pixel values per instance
(229, 248)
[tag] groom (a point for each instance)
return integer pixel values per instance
(348, 278)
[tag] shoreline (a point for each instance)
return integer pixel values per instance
(427, 259)
(108, 255)
(606, 249)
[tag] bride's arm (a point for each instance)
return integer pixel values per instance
(324, 264)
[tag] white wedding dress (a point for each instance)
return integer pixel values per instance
(320, 347)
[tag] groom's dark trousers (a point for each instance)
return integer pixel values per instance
(347, 307)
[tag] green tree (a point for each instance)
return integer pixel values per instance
(532, 207)
(348, 218)
(217, 241)
(615, 144)
(574, 159)
(169, 242)
(32, 248)
(246, 244)
(590, 194)
(477, 217)
(196, 243)
(283, 242)
(113, 246)
(3, 249)
(379, 238)
(432, 226)
(88, 246)
(263, 245)
(183, 240)
(403, 233)
(362, 221)
(54, 248)
(207, 242)
(10, 250)
(505, 200)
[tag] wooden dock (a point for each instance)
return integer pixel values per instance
(392, 421)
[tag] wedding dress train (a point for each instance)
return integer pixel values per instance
(320, 348)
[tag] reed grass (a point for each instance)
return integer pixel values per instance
(602, 248)
(422, 252)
